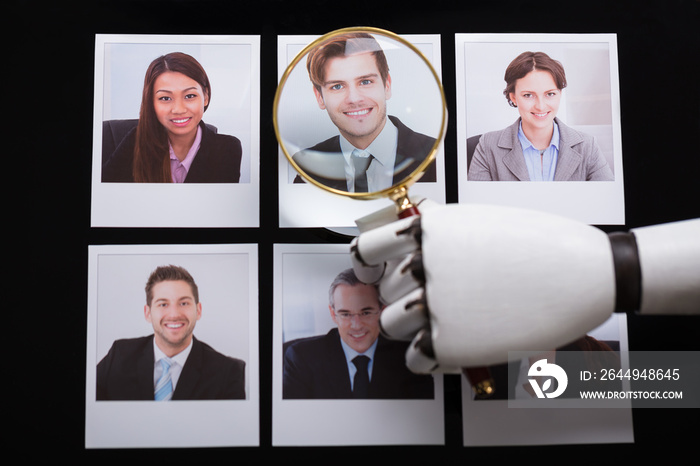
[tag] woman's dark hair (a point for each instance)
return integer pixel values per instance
(531, 61)
(151, 160)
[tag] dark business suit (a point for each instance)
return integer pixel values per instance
(218, 159)
(316, 368)
(412, 149)
(126, 373)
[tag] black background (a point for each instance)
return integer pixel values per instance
(49, 48)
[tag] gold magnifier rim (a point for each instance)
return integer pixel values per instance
(401, 186)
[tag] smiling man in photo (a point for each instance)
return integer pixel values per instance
(352, 360)
(170, 364)
(374, 150)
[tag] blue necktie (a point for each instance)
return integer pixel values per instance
(164, 387)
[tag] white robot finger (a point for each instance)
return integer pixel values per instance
(386, 242)
(403, 319)
(420, 358)
(369, 274)
(402, 278)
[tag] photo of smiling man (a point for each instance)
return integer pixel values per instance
(352, 83)
(352, 360)
(170, 364)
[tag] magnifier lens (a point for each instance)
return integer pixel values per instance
(361, 112)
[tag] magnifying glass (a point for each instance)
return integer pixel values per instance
(379, 115)
(379, 119)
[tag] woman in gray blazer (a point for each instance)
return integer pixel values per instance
(538, 146)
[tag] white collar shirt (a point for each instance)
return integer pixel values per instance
(175, 369)
(380, 173)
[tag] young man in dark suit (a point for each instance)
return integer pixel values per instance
(352, 83)
(331, 366)
(171, 364)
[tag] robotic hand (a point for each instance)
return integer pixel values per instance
(468, 283)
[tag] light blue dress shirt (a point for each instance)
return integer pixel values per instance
(178, 362)
(350, 355)
(541, 164)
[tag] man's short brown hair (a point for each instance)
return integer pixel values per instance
(170, 273)
(344, 45)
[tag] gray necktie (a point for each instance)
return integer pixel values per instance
(360, 387)
(360, 163)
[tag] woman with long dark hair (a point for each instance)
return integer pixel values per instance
(171, 143)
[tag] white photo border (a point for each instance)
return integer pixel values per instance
(495, 423)
(142, 424)
(141, 204)
(332, 210)
(598, 203)
(339, 422)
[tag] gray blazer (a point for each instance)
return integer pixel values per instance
(499, 157)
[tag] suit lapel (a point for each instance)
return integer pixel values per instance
(193, 174)
(336, 368)
(384, 381)
(326, 153)
(569, 158)
(187, 383)
(514, 160)
(401, 156)
(410, 151)
(144, 369)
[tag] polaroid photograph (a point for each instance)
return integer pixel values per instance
(397, 107)
(175, 128)
(508, 418)
(325, 325)
(172, 350)
(533, 108)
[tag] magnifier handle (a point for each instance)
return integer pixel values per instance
(409, 212)
(481, 380)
